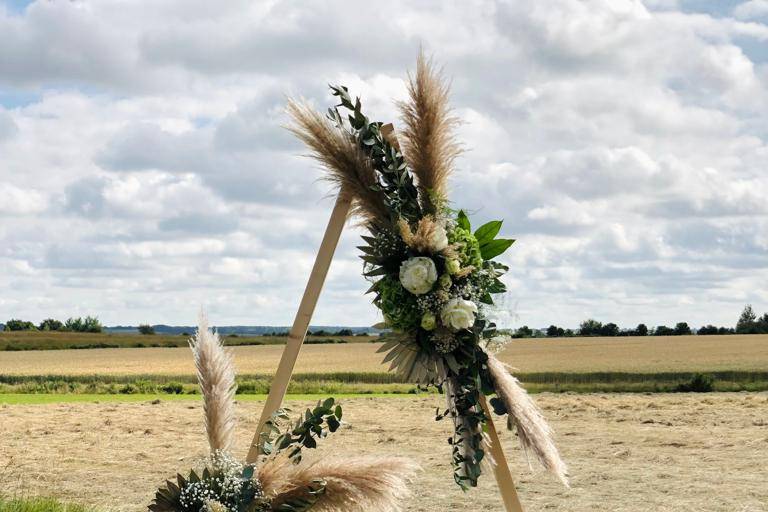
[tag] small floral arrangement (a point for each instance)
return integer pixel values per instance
(282, 480)
(432, 275)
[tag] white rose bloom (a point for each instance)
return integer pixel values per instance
(417, 275)
(459, 314)
(439, 239)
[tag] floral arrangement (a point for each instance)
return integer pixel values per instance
(282, 480)
(433, 277)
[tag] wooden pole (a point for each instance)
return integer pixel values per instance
(298, 332)
(501, 468)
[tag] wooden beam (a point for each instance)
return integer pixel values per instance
(501, 468)
(298, 331)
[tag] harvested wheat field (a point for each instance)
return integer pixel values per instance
(626, 452)
(631, 354)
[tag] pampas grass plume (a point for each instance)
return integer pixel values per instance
(534, 432)
(216, 376)
(353, 484)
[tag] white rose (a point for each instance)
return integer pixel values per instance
(417, 275)
(439, 240)
(459, 314)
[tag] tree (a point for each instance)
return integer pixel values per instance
(87, 324)
(523, 332)
(554, 331)
(146, 329)
(682, 328)
(747, 323)
(14, 324)
(609, 329)
(590, 327)
(642, 330)
(708, 330)
(50, 324)
(663, 330)
(762, 324)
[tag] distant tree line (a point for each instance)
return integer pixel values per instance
(87, 324)
(748, 323)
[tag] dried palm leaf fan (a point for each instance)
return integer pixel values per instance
(281, 479)
(432, 276)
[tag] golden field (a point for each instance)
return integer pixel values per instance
(626, 453)
(626, 354)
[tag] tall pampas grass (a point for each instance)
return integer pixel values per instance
(428, 141)
(348, 167)
(534, 432)
(216, 376)
(352, 484)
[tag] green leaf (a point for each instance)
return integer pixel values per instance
(497, 287)
(463, 220)
(498, 406)
(495, 248)
(488, 231)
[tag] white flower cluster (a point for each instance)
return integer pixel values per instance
(418, 275)
(224, 486)
(196, 494)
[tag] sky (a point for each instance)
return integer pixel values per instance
(145, 171)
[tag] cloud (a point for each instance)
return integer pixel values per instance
(8, 127)
(624, 144)
(20, 201)
(751, 10)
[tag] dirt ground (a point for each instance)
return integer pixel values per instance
(626, 452)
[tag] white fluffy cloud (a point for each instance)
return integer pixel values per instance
(144, 169)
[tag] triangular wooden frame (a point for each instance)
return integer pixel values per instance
(298, 334)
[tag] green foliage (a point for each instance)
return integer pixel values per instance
(316, 423)
(590, 327)
(699, 383)
(663, 330)
(395, 180)
(149, 330)
(523, 332)
(87, 324)
(554, 331)
(39, 505)
(468, 246)
(15, 324)
(50, 324)
(749, 323)
(609, 329)
(231, 485)
(490, 246)
(467, 381)
(399, 306)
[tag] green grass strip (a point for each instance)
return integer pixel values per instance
(39, 505)
(35, 399)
